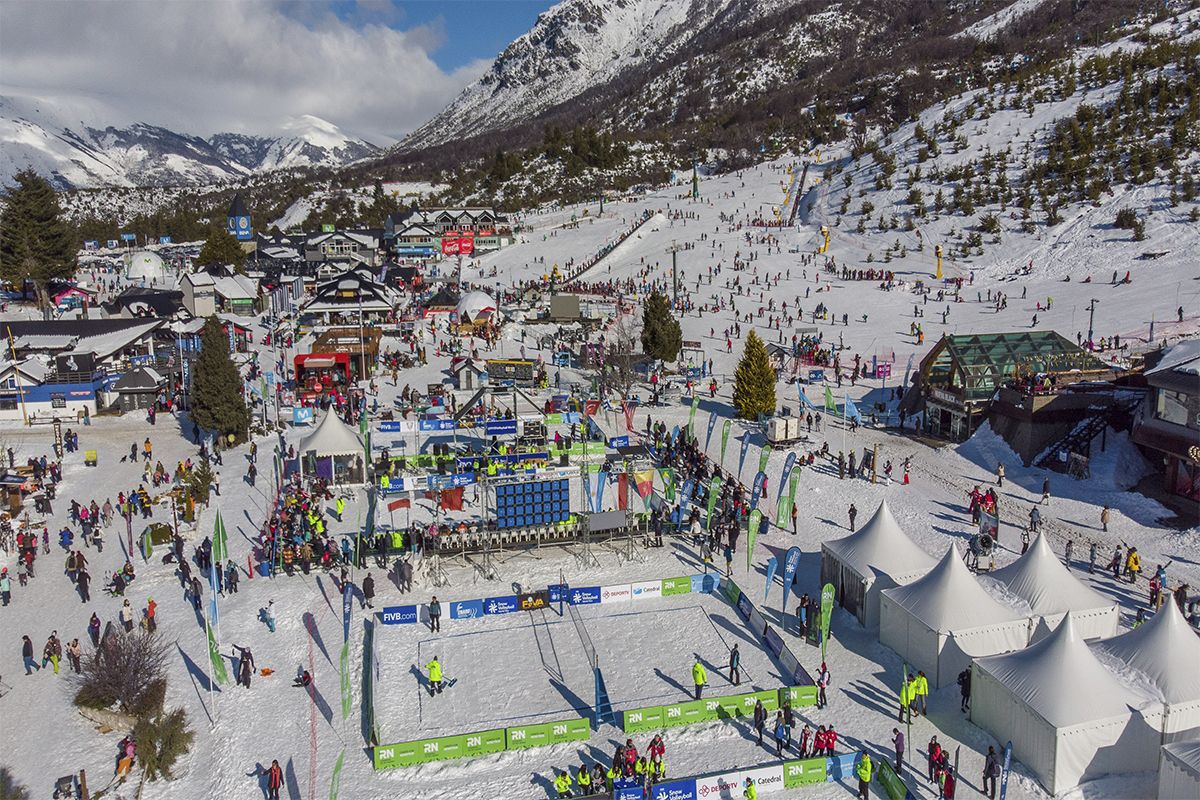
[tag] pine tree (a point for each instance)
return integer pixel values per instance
(754, 381)
(216, 391)
(661, 335)
(221, 249)
(35, 242)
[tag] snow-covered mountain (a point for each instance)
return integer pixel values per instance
(50, 138)
(574, 46)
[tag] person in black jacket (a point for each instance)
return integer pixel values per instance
(735, 665)
(991, 771)
(760, 718)
(964, 689)
(368, 588)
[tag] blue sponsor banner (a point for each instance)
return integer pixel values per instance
(164, 240)
(773, 641)
(703, 584)
(451, 481)
(627, 783)
(436, 424)
(399, 615)
(743, 605)
(128, 237)
(618, 441)
(816, 375)
(758, 485)
(389, 427)
(840, 767)
(558, 592)
(500, 427)
(791, 562)
(301, 415)
(111, 243)
(466, 609)
(500, 605)
(627, 792)
(787, 470)
(347, 609)
(772, 567)
(674, 790)
(584, 595)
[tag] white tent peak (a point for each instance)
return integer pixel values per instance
(949, 598)
(1165, 649)
(881, 545)
(1041, 580)
(332, 437)
(1062, 680)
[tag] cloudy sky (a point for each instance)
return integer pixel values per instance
(375, 68)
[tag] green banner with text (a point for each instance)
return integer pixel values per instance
(803, 773)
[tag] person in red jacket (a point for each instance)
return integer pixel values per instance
(830, 740)
(274, 780)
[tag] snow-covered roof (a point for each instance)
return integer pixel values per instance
(236, 287)
(1165, 649)
(199, 278)
(105, 344)
(949, 598)
(1041, 580)
(1183, 357)
(31, 368)
(139, 380)
(1186, 755)
(881, 546)
(44, 341)
(332, 437)
(1062, 681)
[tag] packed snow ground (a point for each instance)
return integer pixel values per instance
(43, 737)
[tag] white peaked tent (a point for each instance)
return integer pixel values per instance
(942, 621)
(1165, 651)
(1069, 718)
(1051, 590)
(876, 557)
(333, 451)
(1179, 773)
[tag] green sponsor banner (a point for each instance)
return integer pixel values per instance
(803, 773)
(643, 719)
(827, 592)
(753, 522)
(886, 775)
(570, 730)
(521, 737)
(732, 591)
(764, 455)
(593, 448)
(799, 695)
(769, 697)
(714, 489)
(688, 713)
(692, 414)
(443, 748)
(554, 419)
(733, 706)
(218, 673)
(672, 586)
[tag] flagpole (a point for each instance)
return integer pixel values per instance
(212, 700)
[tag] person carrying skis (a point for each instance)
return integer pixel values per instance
(435, 677)
(699, 676)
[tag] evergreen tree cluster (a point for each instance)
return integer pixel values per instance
(36, 243)
(662, 337)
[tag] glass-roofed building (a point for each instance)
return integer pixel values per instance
(961, 374)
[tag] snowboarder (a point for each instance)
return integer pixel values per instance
(435, 676)
(699, 676)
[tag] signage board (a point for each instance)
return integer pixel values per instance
(398, 615)
(466, 609)
(584, 595)
(533, 601)
(613, 594)
(647, 590)
(673, 586)
(500, 605)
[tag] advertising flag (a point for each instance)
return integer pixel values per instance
(752, 535)
(686, 493)
(830, 406)
(220, 540)
(826, 614)
(850, 411)
(600, 484)
(756, 489)
(712, 425)
(336, 780)
(344, 666)
(714, 489)
(804, 401)
(347, 607)
(219, 675)
(692, 416)
(449, 244)
(725, 439)
(1004, 771)
(772, 567)
(791, 563)
(744, 450)
(787, 470)
(466, 243)
(668, 480)
(764, 455)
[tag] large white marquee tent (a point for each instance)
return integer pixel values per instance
(1179, 773)
(1069, 718)
(1051, 590)
(940, 622)
(333, 451)
(1165, 653)
(876, 557)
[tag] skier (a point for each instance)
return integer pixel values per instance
(863, 771)
(435, 676)
(735, 662)
(699, 676)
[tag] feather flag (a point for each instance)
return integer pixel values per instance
(830, 405)
(714, 489)
(850, 411)
(752, 527)
(804, 401)
(725, 439)
(772, 567)
(668, 480)
(787, 469)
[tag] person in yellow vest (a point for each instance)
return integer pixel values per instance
(562, 784)
(385, 482)
(863, 771)
(699, 677)
(639, 768)
(340, 507)
(906, 694)
(585, 780)
(435, 679)
(751, 791)
(922, 693)
(611, 775)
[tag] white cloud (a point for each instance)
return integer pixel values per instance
(220, 65)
